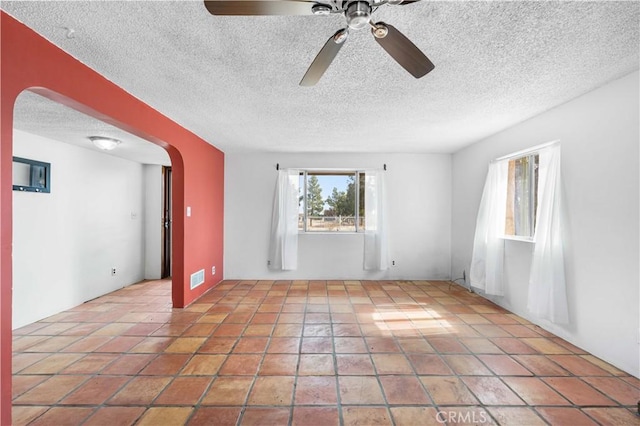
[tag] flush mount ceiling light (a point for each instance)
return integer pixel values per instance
(104, 143)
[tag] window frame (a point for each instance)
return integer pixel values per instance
(533, 157)
(356, 173)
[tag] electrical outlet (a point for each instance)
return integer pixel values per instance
(213, 270)
(268, 263)
(113, 271)
(393, 263)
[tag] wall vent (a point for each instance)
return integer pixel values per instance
(197, 278)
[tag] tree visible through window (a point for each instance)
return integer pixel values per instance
(331, 201)
(522, 196)
(315, 202)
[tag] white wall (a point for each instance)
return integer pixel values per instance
(419, 191)
(153, 194)
(600, 166)
(66, 242)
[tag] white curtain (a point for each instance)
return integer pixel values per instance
(283, 250)
(547, 290)
(488, 245)
(376, 250)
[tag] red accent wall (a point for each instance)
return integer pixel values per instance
(29, 62)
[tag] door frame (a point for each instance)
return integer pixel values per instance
(167, 222)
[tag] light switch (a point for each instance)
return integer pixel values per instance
(188, 211)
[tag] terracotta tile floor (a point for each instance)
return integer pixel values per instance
(308, 353)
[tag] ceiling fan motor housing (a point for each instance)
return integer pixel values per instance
(358, 14)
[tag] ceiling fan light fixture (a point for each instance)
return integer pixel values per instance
(358, 14)
(380, 30)
(320, 9)
(104, 143)
(341, 36)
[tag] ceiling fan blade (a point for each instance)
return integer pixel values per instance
(403, 51)
(324, 58)
(259, 7)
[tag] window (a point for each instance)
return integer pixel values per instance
(522, 196)
(31, 175)
(331, 201)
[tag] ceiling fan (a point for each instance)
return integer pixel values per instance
(358, 16)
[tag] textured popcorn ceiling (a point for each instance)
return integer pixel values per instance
(234, 80)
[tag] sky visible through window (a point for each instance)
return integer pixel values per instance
(329, 182)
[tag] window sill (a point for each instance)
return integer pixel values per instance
(517, 238)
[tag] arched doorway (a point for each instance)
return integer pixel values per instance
(32, 63)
